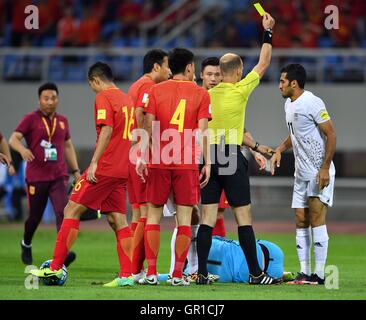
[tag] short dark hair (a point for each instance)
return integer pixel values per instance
(153, 56)
(101, 70)
(231, 65)
(211, 61)
(296, 72)
(47, 86)
(179, 58)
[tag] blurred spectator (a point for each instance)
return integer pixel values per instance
(2, 21)
(48, 15)
(67, 29)
(18, 18)
(309, 36)
(89, 28)
(281, 38)
(247, 30)
(129, 14)
(231, 38)
(344, 34)
(148, 11)
(15, 189)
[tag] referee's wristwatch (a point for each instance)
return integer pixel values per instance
(255, 148)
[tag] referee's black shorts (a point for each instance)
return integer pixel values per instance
(236, 184)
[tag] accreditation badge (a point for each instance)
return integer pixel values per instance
(50, 154)
(45, 144)
(32, 190)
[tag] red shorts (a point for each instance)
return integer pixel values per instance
(184, 184)
(224, 204)
(107, 195)
(137, 190)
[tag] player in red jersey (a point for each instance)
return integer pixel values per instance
(156, 69)
(176, 109)
(103, 184)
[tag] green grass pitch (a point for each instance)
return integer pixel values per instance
(97, 263)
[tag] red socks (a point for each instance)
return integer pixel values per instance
(152, 244)
(219, 229)
(133, 227)
(66, 236)
(182, 244)
(138, 249)
(124, 250)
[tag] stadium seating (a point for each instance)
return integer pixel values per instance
(223, 24)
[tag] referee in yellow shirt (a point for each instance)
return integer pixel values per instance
(229, 168)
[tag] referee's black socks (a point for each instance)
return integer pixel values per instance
(249, 247)
(204, 241)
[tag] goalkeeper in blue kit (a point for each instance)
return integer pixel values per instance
(226, 259)
(227, 262)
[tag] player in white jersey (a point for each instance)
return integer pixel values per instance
(313, 140)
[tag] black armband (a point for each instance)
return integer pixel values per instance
(267, 36)
(74, 171)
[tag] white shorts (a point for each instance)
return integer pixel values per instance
(305, 189)
(169, 209)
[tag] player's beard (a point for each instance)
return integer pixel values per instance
(287, 94)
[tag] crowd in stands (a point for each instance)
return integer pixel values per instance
(81, 23)
(77, 23)
(299, 23)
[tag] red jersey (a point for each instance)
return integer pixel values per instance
(114, 108)
(35, 127)
(139, 91)
(177, 106)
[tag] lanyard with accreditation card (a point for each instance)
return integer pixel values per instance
(50, 151)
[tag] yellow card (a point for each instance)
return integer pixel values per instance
(259, 8)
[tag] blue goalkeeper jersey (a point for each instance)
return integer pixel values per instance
(227, 260)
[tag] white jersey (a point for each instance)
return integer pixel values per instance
(308, 143)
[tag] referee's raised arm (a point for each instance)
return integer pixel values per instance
(266, 52)
(229, 168)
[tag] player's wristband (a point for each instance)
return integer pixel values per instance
(74, 171)
(255, 148)
(267, 36)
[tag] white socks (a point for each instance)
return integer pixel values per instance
(320, 236)
(192, 253)
(172, 250)
(303, 246)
